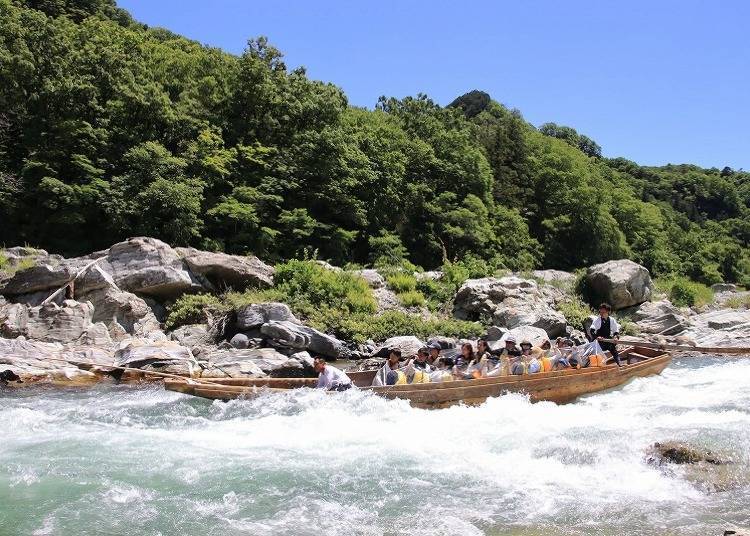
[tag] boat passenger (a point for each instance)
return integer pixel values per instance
(606, 327)
(390, 373)
(531, 362)
(434, 348)
(465, 358)
(421, 360)
(330, 378)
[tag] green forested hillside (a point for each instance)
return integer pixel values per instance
(110, 129)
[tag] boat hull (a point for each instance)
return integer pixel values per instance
(557, 386)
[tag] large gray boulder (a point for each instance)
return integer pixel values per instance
(510, 302)
(255, 362)
(287, 334)
(622, 283)
(223, 270)
(659, 318)
(148, 266)
(534, 335)
(408, 344)
(257, 314)
(161, 356)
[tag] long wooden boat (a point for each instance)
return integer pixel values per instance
(556, 386)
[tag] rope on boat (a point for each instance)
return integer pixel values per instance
(682, 347)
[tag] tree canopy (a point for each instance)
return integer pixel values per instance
(110, 129)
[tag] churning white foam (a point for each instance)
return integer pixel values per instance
(305, 462)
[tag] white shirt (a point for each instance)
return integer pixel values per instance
(614, 326)
(332, 377)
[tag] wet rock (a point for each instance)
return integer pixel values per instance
(257, 314)
(510, 302)
(622, 283)
(288, 334)
(34, 361)
(723, 327)
(409, 345)
(682, 453)
(373, 278)
(148, 266)
(223, 271)
(370, 363)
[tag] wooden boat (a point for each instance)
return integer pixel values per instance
(556, 386)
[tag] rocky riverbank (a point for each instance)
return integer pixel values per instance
(66, 321)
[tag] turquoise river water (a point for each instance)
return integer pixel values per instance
(125, 460)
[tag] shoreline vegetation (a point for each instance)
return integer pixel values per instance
(111, 129)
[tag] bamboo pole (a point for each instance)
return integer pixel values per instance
(152, 372)
(682, 348)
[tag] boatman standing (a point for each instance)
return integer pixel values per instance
(606, 327)
(330, 378)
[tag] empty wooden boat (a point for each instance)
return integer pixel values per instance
(556, 386)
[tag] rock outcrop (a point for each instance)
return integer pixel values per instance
(222, 271)
(287, 334)
(373, 277)
(148, 266)
(257, 314)
(534, 335)
(622, 283)
(660, 318)
(162, 356)
(510, 302)
(255, 363)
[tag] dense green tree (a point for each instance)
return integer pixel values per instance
(109, 128)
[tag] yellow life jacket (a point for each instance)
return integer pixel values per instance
(420, 376)
(598, 360)
(546, 364)
(401, 378)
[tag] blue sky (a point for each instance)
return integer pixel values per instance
(658, 82)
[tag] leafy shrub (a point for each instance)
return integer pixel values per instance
(412, 298)
(438, 293)
(191, 309)
(575, 311)
(686, 293)
(628, 327)
(306, 286)
(738, 302)
(401, 282)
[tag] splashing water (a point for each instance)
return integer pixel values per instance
(142, 461)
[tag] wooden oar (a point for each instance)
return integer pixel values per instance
(682, 348)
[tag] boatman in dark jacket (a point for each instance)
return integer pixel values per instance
(606, 327)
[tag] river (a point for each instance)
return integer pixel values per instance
(126, 460)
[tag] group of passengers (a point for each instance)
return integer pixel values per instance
(512, 358)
